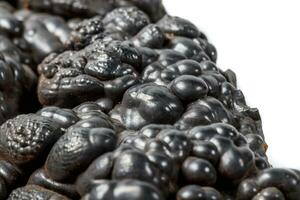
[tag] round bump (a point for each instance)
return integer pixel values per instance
(189, 88)
(199, 171)
(76, 149)
(27, 137)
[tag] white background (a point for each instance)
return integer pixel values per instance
(260, 41)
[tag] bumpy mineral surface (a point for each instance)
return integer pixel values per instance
(118, 100)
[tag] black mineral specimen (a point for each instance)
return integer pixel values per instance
(132, 106)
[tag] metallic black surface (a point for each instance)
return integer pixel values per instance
(276, 182)
(134, 107)
(195, 192)
(27, 137)
(112, 190)
(75, 8)
(33, 192)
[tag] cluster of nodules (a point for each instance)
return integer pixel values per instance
(115, 100)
